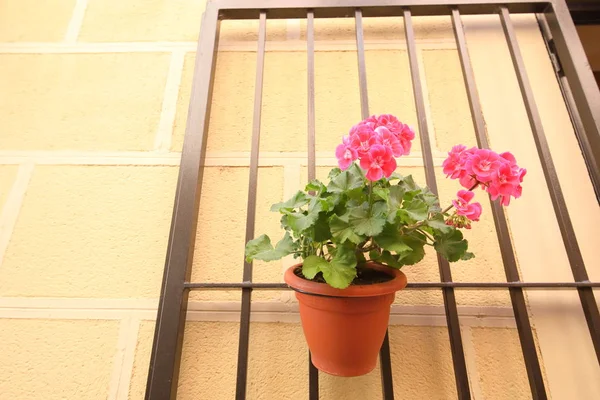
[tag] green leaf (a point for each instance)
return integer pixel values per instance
(341, 230)
(262, 249)
(417, 252)
(467, 256)
(382, 193)
(374, 255)
(315, 186)
(347, 180)
(396, 194)
(334, 172)
(341, 271)
(437, 222)
(408, 184)
(328, 203)
(390, 259)
(451, 245)
(431, 200)
(394, 176)
(391, 239)
(368, 223)
(301, 221)
(298, 200)
(310, 266)
(416, 209)
(321, 229)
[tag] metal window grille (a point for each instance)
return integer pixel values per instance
(582, 99)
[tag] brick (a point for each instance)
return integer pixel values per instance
(81, 101)
(499, 360)
(390, 88)
(142, 20)
(56, 359)
(230, 126)
(91, 232)
(219, 250)
(284, 109)
(34, 21)
(337, 97)
(422, 365)
(448, 99)
(208, 361)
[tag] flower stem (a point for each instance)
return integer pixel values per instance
(370, 196)
(445, 210)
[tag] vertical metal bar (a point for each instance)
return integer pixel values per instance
(313, 373)
(581, 82)
(165, 358)
(385, 362)
(362, 66)
(458, 355)
(584, 140)
(530, 356)
(313, 380)
(586, 295)
(242, 366)
(310, 57)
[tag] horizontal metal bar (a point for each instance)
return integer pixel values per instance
(243, 9)
(411, 285)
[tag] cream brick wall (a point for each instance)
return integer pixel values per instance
(93, 113)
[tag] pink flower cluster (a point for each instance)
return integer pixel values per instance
(463, 206)
(498, 174)
(375, 142)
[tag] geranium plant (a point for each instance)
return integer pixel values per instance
(367, 211)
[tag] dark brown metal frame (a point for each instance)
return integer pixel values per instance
(582, 98)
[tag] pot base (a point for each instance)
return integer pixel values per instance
(323, 366)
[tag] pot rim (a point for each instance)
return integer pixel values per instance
(305, 286)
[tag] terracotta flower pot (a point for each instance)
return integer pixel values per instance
(345, 328)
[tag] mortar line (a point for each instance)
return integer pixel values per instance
(229, 46)
(471, 359)
(76, 21)
(324, 159)
(12, 206)
(428, 113)
(113, 387)
(164, 133)
(131, 341)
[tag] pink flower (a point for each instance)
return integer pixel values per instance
(406, 136)
(508, 156)
(483, 164)
(390, 122)
(453, 165)
(388, 139)
(378, 162)
(345, 154)
(467, 181)
(463, 207)
(362, 137)
(506, 182)
(371, 122)
(498, 174)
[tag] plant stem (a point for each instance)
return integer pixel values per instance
(426, 234)
(370, 196)
(445, 210)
